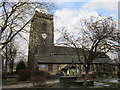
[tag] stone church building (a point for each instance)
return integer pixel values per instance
(44, 55)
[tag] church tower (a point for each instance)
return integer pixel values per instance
(41, 38)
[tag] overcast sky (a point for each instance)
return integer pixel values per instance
(68, 14)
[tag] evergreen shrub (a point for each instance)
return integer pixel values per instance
(21, 65)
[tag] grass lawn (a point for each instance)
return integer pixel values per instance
(112, 85)
(9, 81)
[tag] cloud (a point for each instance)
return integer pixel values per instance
(110, 5)
(103, 0)
(70, 19)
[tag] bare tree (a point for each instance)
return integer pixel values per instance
(96, 36)
(15, 17)
(12, 55)
(9, 55)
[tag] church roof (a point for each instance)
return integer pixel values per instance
(60, 50)
(65, 55)
(65, 59)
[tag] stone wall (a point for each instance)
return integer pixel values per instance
(40, 23)
(81, 70)
(53, 72)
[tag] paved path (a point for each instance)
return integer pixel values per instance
(22, 85)
(52, 81)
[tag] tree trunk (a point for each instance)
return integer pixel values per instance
(86, 76)
(2, 63)
(11, 66)
(6, 62)
(0, 34)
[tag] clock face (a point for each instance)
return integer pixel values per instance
(44, 35)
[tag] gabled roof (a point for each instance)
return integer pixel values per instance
(60, 50)
(65, 59)
(65, 55)
(68, 66)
